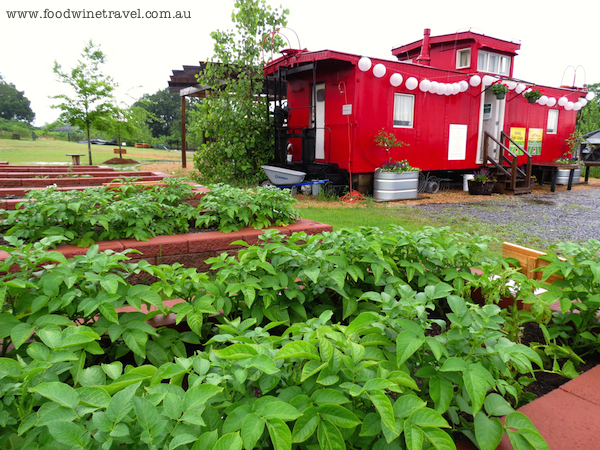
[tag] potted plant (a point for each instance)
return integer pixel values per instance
(482, 183)
(532, 95)
(499, 89)
(562, 177)
(394, 180)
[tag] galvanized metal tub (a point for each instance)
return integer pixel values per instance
(388, 186)
(562, 177)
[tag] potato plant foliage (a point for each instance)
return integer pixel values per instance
(142, 212)
(346, 340)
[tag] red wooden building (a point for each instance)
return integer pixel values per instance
(436, 97)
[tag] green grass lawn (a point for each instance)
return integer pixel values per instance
(375, 216)
(46, 151)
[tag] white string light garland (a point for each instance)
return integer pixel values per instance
(440, 88)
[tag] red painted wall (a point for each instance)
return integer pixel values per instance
(522, 114)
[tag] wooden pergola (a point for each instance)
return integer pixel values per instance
(185, 83)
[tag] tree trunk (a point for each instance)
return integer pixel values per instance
(89, 147)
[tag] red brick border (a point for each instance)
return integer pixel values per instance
(191, 250)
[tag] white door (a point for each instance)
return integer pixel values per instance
(492, 121)
(319, 101)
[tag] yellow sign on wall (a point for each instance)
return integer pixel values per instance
(534, 141)
(517, 135)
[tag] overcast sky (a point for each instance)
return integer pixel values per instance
(143, 52)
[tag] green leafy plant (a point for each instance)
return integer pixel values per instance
(141, 212)
(388, 141)
(101, 213)
(576, 324)
(499, 88)
(354, 339)
(230, 208)
(234, 115)
(483, 176)
(532, 95)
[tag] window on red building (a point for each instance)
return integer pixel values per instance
(552, 125)
(404, 110)
(463, 58)
(493, 63)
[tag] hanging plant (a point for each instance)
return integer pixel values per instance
(499, 89)
(532, 95)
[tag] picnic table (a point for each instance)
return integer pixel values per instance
(76, 158)
(553, 168)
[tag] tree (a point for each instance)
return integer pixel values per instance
(164, 106)
(234, 117)
(91, 104)
(588, 118)
(130, 124)
(13, 103)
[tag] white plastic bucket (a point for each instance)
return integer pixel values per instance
(466, 178)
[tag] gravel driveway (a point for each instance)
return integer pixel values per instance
(537, 219)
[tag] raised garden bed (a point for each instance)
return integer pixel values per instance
(363, 339)
(191, 250)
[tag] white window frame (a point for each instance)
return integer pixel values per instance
(458, 58)
(410, 110)
(552, 123)
(493, 63)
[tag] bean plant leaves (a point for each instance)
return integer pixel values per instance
(476, 385)
(488, 431)
(384, 408)
(323, 396)
(298, 349)
(330, 437)
(413, 436)
(496, 405)
(526, 428)
(20, 333)
(70, 434)
(425, 417)
(339, 416)
(236, 352)
(439, 439)
(407, 343)
(281, 436)
(442, 392)
(61, 393)
(121, 403)
(230, 441)
(306, 425)
(183, 439)
(199, 395)
(252, 429)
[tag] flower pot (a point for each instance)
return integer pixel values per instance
(501, 95)
(389, 186)
(531, 100)
(480, 187)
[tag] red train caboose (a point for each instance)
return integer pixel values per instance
(437, 98)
